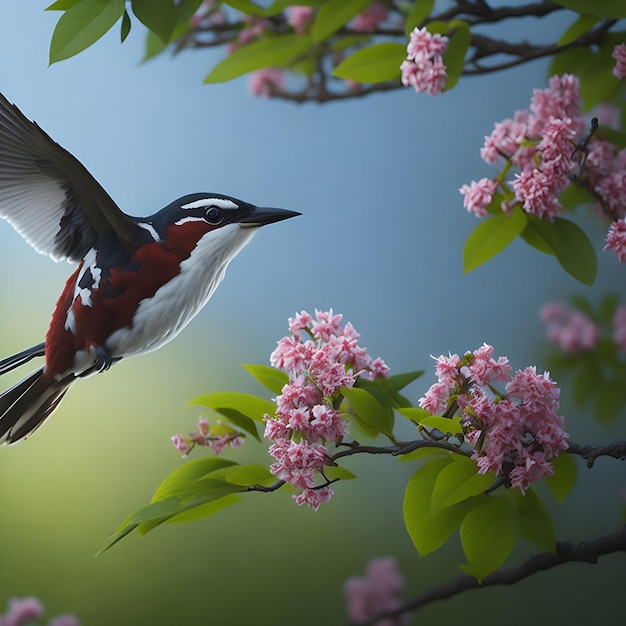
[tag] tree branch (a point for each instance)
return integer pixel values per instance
(585, 552)
(616, 450)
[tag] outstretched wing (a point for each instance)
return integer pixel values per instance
(48, 196)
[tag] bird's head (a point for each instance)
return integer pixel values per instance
(222, 220)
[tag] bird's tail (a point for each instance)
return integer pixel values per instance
(11, 362)
(25, 406)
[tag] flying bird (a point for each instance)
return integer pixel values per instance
(139, 280)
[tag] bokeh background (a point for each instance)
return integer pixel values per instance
(380, 240)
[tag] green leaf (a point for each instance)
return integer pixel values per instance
(335, 14)
(430, 530)
(611, 9)
(369, 409)
(192, 508)
(268, 376)
(573, 196)
(400, 381)
(198, 511)
(581, 26)
(420, 10)
(246, 6)
(334, 472)
(154, 46)
(458, 481)
(277, 51)
(82, 25)
(570, 245)
(444, 424)
(159, 16)
(62, 5)
(454, 56)
(125, 30)
(387, 390)
(488, 534)
(181, 482)
(587, 378)
(374, 64)
(565, 474)
(247, 475)
(246, 404)
(491, 236)
(610, 400)
(533, 520)
(532, 237)
(414, 413)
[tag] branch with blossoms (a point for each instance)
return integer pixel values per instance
(373, 599)
(553, 161)
(484, 435)
(335, 49)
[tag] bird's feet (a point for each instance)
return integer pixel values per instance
(102, 360)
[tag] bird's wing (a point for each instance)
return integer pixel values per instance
(48, 196)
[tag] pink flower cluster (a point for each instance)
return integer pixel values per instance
(619, 328)
(375, 593)
(21, 611)
(424, 69)
(371, 18)
(263, 81)
(299, 18)
(575, 332)
(619, 54)
(321, 356)
(616, 239)
(546, 142)
(218, 437)
(570, 329)
(514, 434)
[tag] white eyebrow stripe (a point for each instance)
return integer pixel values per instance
(222, 203)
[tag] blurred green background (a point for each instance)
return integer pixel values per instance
(380, 240)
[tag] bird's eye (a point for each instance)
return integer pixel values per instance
(213, 215)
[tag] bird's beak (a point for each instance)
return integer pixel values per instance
(261, 216)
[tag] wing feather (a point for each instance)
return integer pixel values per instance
(48, 196)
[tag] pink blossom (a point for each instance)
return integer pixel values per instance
(301, 321)
(372, 17)
(306, 417)
(477, 195)
(572, 331)
(505, 140)
(181, 444)
(375, 593)
(619, 327)
(436, 398)
(21, 611)
(619, 54)
(297, 463)
(484, 369)
(560, 100)
(313, 497)
(263, 81)
(326, 325)
(514, 434)
(616, 239)
(424, 69)
(537, 190)
(299, 18)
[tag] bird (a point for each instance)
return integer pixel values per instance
(139, 280)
